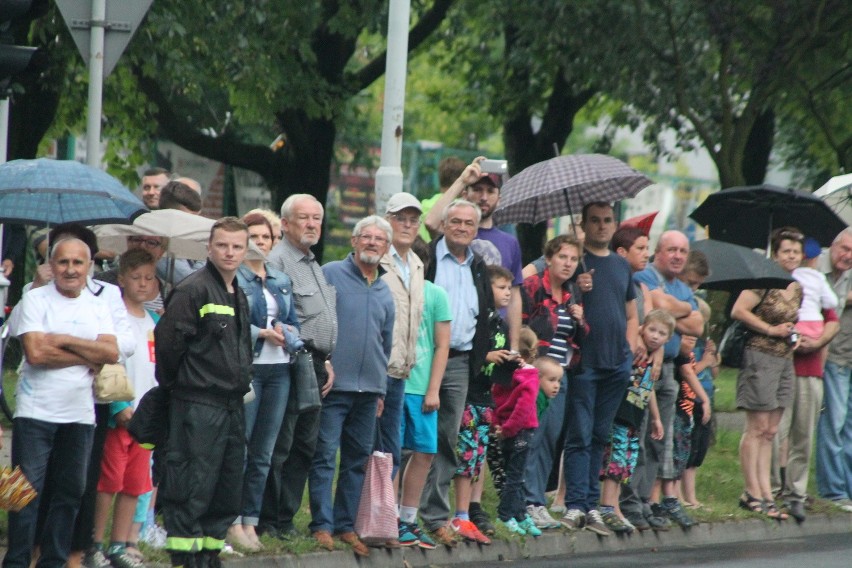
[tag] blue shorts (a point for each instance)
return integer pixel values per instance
(419, 431)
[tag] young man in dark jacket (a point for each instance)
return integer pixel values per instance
(203, 350)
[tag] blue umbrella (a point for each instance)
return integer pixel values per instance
(49, 192)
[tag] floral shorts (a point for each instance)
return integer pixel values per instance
(620, 455)
(474, 435)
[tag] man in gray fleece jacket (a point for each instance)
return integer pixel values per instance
(365, 315)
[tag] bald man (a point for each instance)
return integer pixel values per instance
(668, 292)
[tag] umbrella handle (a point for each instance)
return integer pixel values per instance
(574, 226)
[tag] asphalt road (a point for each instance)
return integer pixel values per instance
(817, 551)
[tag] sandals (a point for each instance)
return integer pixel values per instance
(771, 511)
(751, 503)
(765, 506)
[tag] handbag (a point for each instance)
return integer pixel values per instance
(376, 521)
(305, 395)
(732, 346)
(112, 384)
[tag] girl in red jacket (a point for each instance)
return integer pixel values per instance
(516, 418)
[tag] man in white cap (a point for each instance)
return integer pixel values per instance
(403, 273)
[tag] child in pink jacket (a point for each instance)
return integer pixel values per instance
(516, 418)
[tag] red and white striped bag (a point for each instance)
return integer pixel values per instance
(377, 516)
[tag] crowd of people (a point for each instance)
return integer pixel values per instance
(588, 372)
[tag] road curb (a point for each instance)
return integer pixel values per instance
(759, 531)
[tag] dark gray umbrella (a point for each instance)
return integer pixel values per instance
(562, 185)
(746, 215)
(734, 268)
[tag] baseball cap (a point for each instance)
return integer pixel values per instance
(494, 179)
(402, 200)
(811, 248)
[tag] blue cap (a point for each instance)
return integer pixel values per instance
(811, 248)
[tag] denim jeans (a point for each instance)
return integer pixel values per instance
(64, 448)
(545, 447)
(388, 437)
(515, 451)
(347, 422)
(272, 389)
(834, 435)
(593, 399)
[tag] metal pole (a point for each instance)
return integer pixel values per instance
(389, 176)
(96, 83)
(4, 129)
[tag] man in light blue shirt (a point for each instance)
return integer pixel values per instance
(457, 269)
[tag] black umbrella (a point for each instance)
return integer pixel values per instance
(746, 215)
(734, 268)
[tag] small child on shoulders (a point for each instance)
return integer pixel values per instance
(621, 453)
(817, 294)
(517, 407)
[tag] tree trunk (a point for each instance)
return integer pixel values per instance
(758, 148)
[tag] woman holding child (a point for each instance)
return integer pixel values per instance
(765, 382)
(274, 331)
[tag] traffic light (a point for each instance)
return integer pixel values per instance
(15, 59)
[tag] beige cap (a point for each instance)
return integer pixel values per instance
(402, 200)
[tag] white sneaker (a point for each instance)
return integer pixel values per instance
(574, 519)
(541, 518)
(154, 536)
(844, 505)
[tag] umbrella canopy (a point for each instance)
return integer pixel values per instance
(563, 185)
(746, 215)
(188, 234)
(643, 222)
(734, 268)
(837, 193)
(49, 192)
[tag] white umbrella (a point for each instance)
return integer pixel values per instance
(837, 193)
(187, 233)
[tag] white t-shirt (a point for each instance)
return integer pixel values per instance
(60, 395)
(271, 354)
(140, 366)
(817, 294)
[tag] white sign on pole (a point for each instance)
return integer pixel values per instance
(121, 21)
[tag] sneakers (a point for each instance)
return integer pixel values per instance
(424, 540)
(513, 527)
(407, 537)
(843, 504)
(443, 535)
(154, 536)
(615, 523)
(574, 519)
(672, 509)
(481, 519)
(542, 518)
(124, 560)
(595, 523)
(94, 558)
(657, 518)
(468, 531)
(639, 522)
(528, 524)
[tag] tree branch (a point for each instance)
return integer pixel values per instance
(176, 128)
(365, 76)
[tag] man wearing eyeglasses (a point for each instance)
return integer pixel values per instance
(365, 316)
(458, 270)
(404, 275)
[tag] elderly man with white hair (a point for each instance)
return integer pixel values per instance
(365, 314)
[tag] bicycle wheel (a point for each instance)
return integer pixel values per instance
(11, 357)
